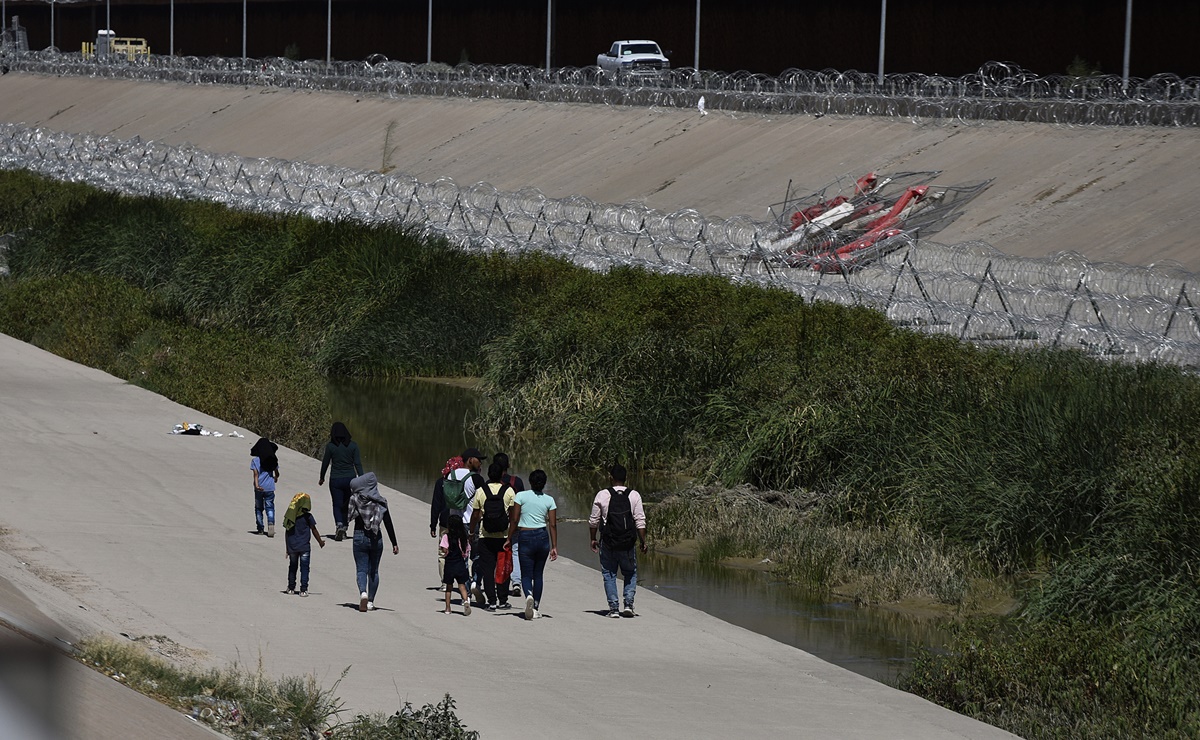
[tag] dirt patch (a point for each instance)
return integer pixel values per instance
(72, 583)
(1078, 190)
(168, 648)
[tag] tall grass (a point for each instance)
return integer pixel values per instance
(355, 299)
(870, 564)
(1063, 679)
(255, 382)
(244, 703)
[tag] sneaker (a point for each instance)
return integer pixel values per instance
(304, 593)
(537, 614)
(628, 611)
(270, 530)
(504, 605)
(529, 610)
(516, 591)
(476, 594)
(362, 601)
(291, 591)
(613, 614)
(370, 604)
(490, 607)
(466, 610)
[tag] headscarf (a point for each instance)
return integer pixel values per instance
(339, 434)
(453, 463)
(366, 501)
(301, 505)
(264, 449)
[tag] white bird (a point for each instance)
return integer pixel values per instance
(700, 106)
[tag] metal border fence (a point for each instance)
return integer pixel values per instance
(969, 291)
(999, 91)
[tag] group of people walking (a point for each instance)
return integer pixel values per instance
(356, 500)
(503, 530)
(494, 534)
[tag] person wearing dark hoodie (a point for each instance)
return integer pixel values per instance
(342, 452)
(369, 510)
(264, 466)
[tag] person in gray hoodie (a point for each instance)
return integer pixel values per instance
(368, 509)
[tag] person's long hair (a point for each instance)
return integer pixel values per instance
(457, 532)
(339, 434)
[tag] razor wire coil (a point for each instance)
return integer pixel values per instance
(998, 91)
(969, 291)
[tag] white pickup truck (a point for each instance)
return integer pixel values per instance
(633, 56)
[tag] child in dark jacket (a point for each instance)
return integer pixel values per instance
(299, 528)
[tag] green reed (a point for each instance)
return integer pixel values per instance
(1063, 679)
(870, 564)
(255, 382)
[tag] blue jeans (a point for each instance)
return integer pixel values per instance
(339, 491)
(476, 568)
(301, 559)
(533, 551)
(264, 501)
(626, 560)
(368, 549)
(516, 574)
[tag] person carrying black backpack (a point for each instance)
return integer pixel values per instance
(518, 485)
(618, 516)
(490, 516)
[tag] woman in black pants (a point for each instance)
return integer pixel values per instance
(343, 453)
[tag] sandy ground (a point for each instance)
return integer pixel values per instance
(111, 524)
(1120, 194)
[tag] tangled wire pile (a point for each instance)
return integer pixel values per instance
(999, 91)
(970, 290)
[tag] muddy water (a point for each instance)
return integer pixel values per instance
(408, 428)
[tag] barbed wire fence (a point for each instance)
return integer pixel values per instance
(999, 91)
(969, 291)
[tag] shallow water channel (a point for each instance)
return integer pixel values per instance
(408, 428)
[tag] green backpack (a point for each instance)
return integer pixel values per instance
(455, 492)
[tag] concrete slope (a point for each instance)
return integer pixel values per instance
(45, 695)
(1121, 194)
(112, 524)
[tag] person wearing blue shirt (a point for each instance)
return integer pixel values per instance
(264, 466)
(533, 524)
